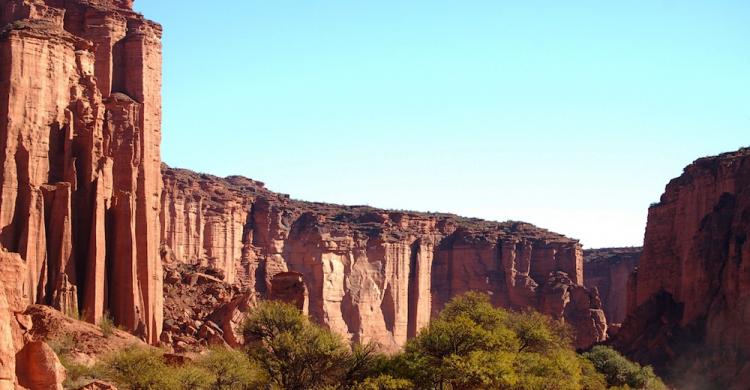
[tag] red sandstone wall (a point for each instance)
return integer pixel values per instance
(689, 297)
(80, 118)
(373, 275)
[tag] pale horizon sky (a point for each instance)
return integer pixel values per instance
(571, 115)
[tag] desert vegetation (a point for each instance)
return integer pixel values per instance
(471, 345)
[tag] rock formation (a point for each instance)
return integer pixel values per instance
(80, 113)
(370, 274)
(199, 308)
(39, 367)
(81, 181)
(689, 306)
(87, 215)
(608, 269)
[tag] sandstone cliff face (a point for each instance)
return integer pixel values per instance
(81, 131)
(608, 269)
(369, 274)
(80, 115)
(689, 309)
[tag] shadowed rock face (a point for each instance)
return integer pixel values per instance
(370, 274)
(608, 269)
(696, 258)
(80, 113)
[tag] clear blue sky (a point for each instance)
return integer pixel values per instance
(572, 115)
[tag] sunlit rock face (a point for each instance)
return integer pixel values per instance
(608, 269)
(688, 306)
(370, 274)
(80, 117)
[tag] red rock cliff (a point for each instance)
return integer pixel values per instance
(372, 274)
(80, 117)
(608, 269)
(689, 304)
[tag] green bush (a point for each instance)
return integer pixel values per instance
(383, 382)
(107, 325)
(619, 371)
(78, 374)
(138, 368)
(295, 353)
(63, 345)
(471, 345)
(190, 377)
(232, 370)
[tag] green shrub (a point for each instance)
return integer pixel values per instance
(190, 377)
(107, 325)
(471, 345)
(474, 345)
(78, 374)
(232, 370)
(138, 368)
(619, 371)
(294, 353)
(384, 382)
(63, 345)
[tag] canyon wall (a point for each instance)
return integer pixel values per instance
(370, 274)
(88, 214)
(80, 167)
(608, 269)
(688, 304)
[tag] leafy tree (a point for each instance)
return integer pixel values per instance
(295, 353)
(619, 371)
(591, 379)
(473, 345)
(537, 332)
(383, 382)
(362, 364)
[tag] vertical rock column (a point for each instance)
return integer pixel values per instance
(80, 169)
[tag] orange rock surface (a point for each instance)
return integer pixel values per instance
(370, 274)
(80, 114)
(688, 310)
(80, 120)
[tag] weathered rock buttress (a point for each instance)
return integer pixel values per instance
(80, 130)
(689, 300)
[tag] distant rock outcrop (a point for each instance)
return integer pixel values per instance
(370, 274)
(689, 301)
(608, 269)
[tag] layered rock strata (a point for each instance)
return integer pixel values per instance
(608, 269)
(370, 274)
(689, 300)
(80, 114)
(80, 120)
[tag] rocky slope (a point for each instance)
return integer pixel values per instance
(608, 269)
(370, 274)
(80, 117)
(688, 308)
